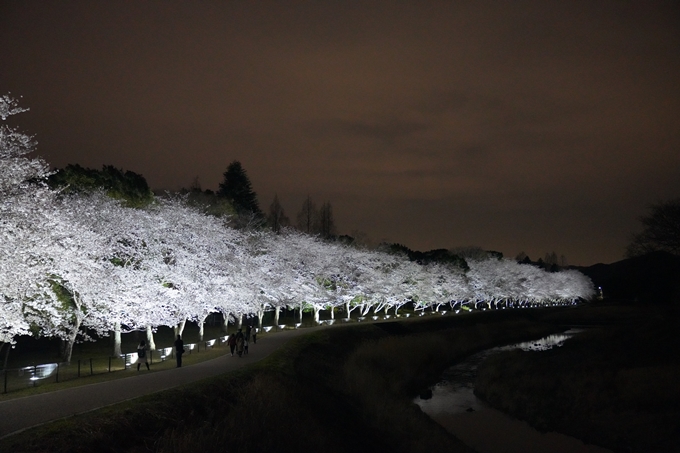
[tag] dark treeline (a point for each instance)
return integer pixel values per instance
(127, 186)
(236, 201)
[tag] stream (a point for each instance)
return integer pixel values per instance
(454, 406)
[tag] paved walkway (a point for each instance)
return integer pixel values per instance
(22, 413)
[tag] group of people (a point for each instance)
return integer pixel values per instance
(239, 341)
(143, 352)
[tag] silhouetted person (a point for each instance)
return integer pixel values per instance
(231, 341)
(254, 335)
(179, 350)
(143, 354)
(240, 342)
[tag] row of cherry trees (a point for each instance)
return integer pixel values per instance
(71, 264)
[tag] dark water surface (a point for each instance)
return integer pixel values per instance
(454, 406)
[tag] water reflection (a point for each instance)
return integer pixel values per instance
(542, 344)
(453, 405)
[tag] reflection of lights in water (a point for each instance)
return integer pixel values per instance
(454, 405)
(545, 343)
(454, 394)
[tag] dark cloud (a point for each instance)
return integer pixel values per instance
(388, 132)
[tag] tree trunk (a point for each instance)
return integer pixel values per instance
(179, 330)
(260, 315)
(117, 341)
(149, 338)
(9, 346)
(332, 312)
(347, 309)
(317, 310)
(239, 321)
(300, 313)
(225, 323)
(67, 350)
(277, 312)
(201, 328)
(68, 345)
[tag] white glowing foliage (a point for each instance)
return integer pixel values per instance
(22, 208)
(75, 263)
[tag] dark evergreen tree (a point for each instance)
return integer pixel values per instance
(308, 217)
(522, 257)
(326, 222)
(237, 188)
(277, 218)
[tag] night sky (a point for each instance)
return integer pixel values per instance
(514, 126)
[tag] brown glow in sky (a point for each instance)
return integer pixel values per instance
(515, 126)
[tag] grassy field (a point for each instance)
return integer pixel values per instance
(345, 388)
(615, 386)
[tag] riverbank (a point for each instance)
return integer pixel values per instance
(453, 405)
(336, 389)
(613, 386)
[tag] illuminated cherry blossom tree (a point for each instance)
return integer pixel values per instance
(76, 263)
(23, 203)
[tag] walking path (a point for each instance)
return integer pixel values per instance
(22, 413)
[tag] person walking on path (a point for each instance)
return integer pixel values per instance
(179, 350)
(231, 341)
(254, 335)
(143, 354)
(249, 328)
(240, 339)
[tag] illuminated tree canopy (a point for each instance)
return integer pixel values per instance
(76, 262)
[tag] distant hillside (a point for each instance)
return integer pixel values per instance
(650, 279)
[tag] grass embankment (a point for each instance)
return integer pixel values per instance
(614, 386)
(346, 388)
